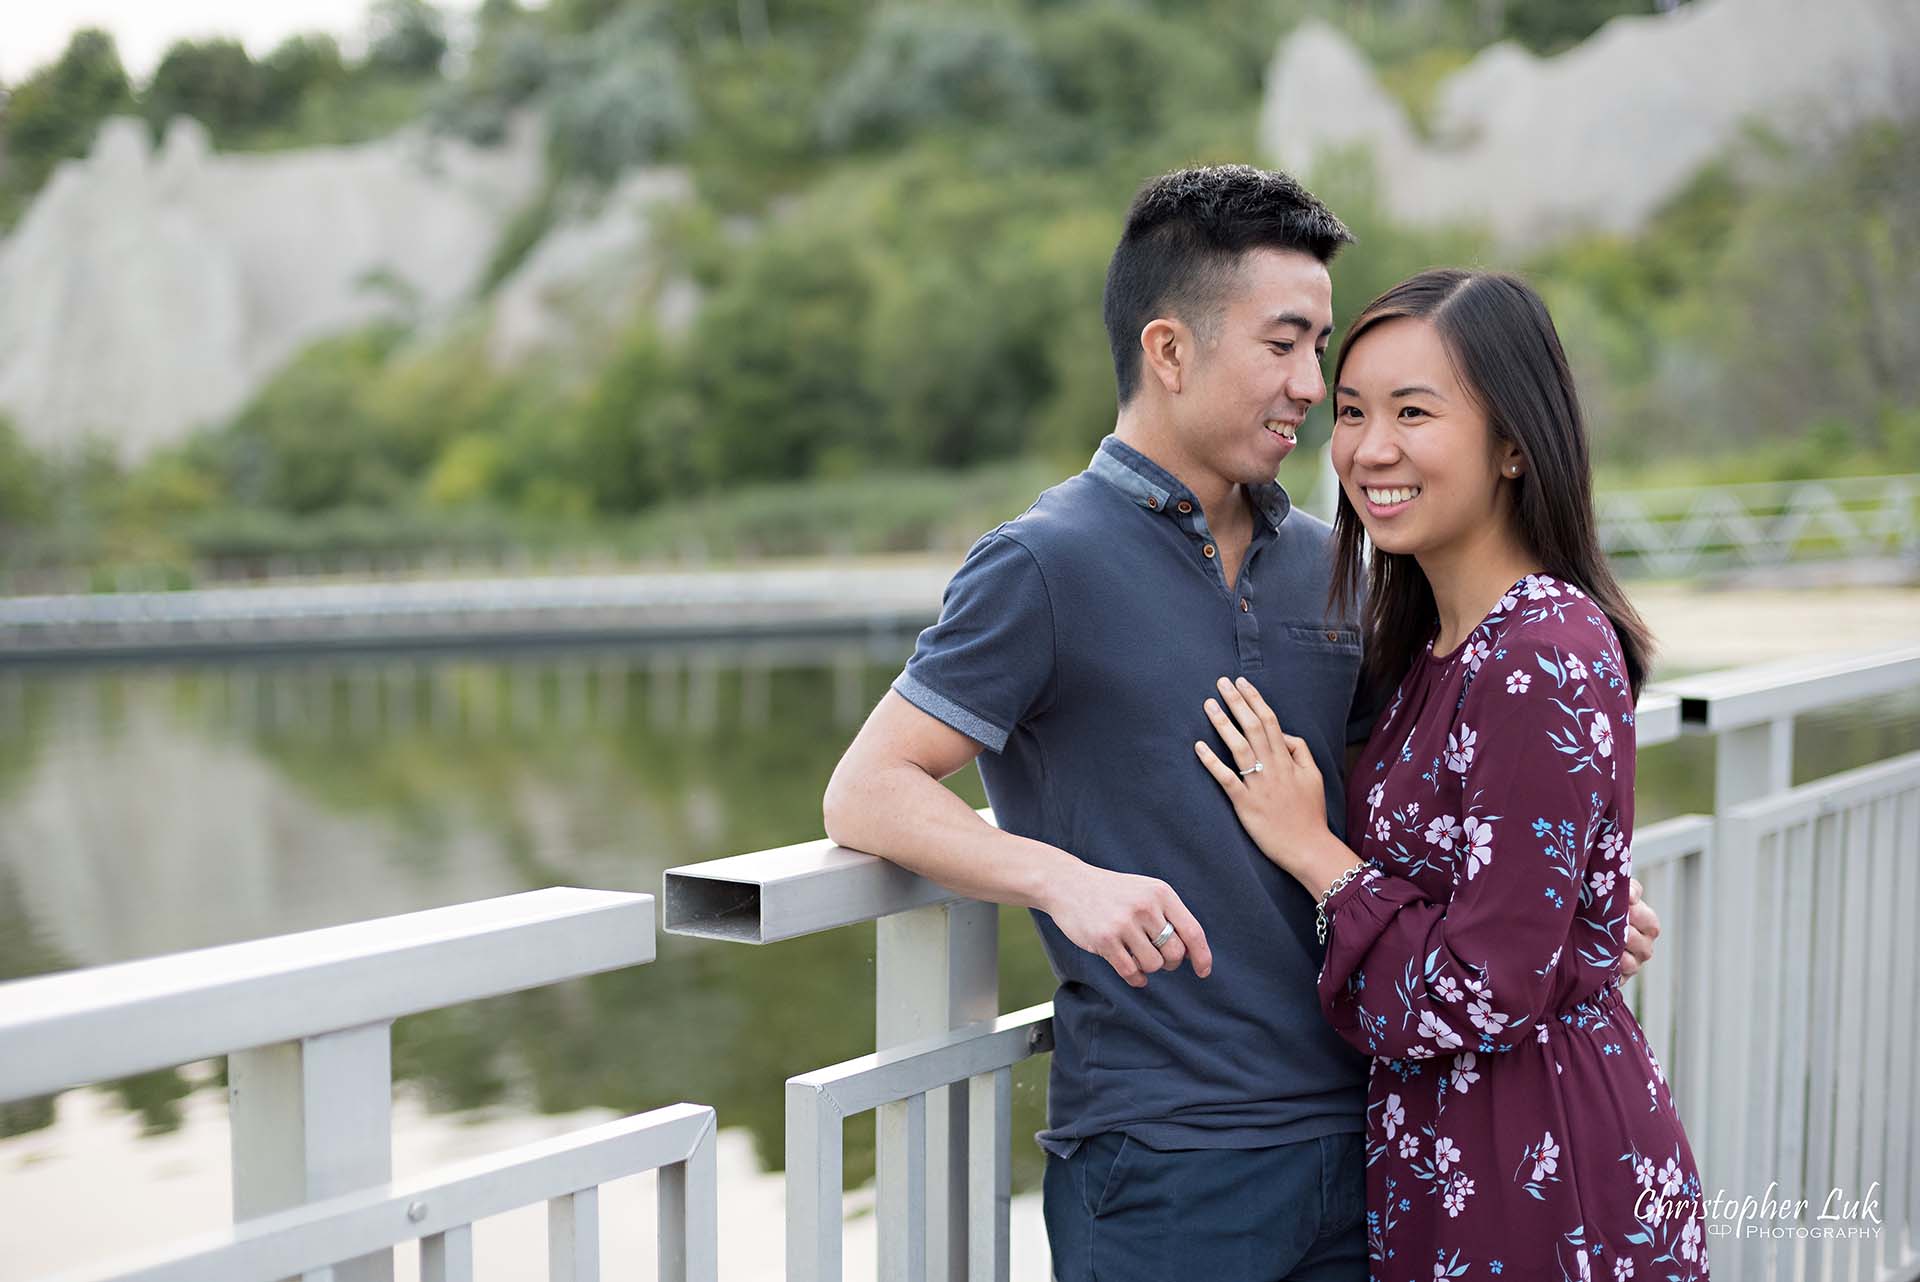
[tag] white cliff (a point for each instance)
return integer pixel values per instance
(1597, 137)
(148, 291)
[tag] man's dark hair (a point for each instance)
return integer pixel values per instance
(1180, 252)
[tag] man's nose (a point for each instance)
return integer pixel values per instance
(1307, 384)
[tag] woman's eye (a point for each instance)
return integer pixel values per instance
(1349, 412)
(1415, 410)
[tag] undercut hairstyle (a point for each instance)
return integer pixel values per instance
(1506, 353)
(1185, 235)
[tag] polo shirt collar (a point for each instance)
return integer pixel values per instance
(1151, 486)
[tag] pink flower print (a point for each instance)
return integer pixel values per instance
(1602, 732)
(1374, 796)
(1460, 748)
(1409, 1145)
(1457, 1194)
(1538, 587)
(1507, 601)
(1576, 670)
(1614, 844)
(1445, 1154)
(1671, 1180)
(1540, 1032)
(1517, 682)
(1690, 1239)
(1643, 1170)
(1431, 1025)
(1585, 1270)
(1477, 985)
(1622, 1268)
(1575, 593)
(1446, 989)
(1602, 883)
(1478, 845)
(1393, 1114)
(1382, 830)
(1476, 652)
(1463, 1074)
(1442, 831)
(1547, 1160)
(1487, 1020)
(1413, 813)
(1653, 1102)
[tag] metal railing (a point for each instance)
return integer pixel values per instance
(1677, 532)
(305, 1021)
(1734, 1073)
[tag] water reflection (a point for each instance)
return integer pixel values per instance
(149, 810)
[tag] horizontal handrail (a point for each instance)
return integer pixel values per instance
(901, 1072)
(317, 1235)
(770, 895)
(1669, 840)
(104, 1022)
(1718, 701)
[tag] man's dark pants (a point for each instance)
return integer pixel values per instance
(1119, 1211)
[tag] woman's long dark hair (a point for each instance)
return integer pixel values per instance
(1505, 350)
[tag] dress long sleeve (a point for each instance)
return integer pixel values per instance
(1535, 747)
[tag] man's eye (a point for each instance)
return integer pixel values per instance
(1282, 347)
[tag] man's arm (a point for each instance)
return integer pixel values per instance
(886, 798)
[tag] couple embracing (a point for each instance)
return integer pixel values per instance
(1326, 830)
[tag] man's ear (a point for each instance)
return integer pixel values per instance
(1166, 348)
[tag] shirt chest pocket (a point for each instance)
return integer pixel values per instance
(1319, 667)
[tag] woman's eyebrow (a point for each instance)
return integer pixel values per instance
(1417, 389)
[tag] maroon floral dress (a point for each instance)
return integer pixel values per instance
(1517, 1123)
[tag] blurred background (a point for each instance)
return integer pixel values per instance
(331, 294)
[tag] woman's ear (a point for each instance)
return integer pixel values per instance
(1164, 349)
(1513, 464)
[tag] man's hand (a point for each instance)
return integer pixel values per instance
(1643, 927)
(1116, 915)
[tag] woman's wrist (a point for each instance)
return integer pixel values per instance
(1321, 862)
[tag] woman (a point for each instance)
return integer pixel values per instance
(1516, 1122)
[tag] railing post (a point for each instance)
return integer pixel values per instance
(1750, 762)
(313, 1119)
(937, 968)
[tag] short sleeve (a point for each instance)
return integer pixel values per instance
(988, 663)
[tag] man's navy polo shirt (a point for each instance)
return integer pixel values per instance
(1077, 644)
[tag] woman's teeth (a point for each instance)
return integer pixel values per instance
(1286, 430)
(1387, 498)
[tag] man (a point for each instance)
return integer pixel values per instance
(1203, 1119)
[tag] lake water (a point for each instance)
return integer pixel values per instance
(149, 810)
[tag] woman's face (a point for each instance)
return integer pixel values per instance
(1412, 449)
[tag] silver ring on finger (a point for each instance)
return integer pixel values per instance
(1253, 769)
(1166, 933)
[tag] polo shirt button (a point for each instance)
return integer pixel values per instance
(1244, 607)
(1185, 507)
(1207, 551)
(1154, 504)
(1333, 636)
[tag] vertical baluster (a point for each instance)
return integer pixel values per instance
(573, 1237)
(448, 1256)
(1883, 850)
(813, 1185)
(990, 1174)
(689, 1215)
(903, 1227)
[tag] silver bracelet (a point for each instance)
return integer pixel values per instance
(1339, 883)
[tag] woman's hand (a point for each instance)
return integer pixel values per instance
(1283, 803)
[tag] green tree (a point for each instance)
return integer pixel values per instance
(298, 66)
(214, 81)
(923, 67)
(51, 115)
(406, 37)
